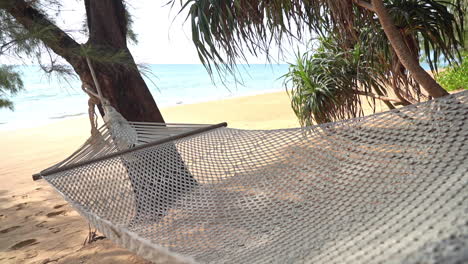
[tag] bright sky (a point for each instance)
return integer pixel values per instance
(162, 40)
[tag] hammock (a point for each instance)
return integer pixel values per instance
(387, 188)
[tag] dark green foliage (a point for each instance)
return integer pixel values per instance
(10, 84)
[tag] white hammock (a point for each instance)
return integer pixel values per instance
(387, 188)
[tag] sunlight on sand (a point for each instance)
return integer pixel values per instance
(38, 226)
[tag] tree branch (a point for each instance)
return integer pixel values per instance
(364, 4)
(53, 37)
(5, 47)
(378, 97)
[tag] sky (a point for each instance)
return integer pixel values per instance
(163, 37)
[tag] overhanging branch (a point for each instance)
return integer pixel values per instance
(53, 37)
(378, 97)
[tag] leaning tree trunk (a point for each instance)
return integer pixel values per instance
(122, 85)
(155, 190)
(404, 54)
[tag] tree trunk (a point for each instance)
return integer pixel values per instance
(404, 54)
(122, 85)
(155, 191)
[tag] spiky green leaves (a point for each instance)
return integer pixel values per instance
(326, 84)
(224, 31)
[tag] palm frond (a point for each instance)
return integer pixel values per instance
(224, 31)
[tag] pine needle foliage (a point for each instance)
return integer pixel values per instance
(22, 45)
(10, 84)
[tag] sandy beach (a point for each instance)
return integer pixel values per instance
(36, 223)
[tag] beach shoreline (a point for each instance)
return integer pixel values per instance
(44, 102)
(31, 124)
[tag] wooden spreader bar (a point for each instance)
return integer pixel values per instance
(50, 171)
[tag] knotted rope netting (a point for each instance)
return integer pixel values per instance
(387, 188)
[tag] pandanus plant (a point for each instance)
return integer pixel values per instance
(391, 33)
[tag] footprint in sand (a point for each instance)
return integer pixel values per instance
(24, 243)
(38, 213)
(20, 206)
(30, 254)
(41, 224)
(8, 230)
(59, 206)
(54, 230)
(52, 214)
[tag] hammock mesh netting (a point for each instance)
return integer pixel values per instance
(387, 188)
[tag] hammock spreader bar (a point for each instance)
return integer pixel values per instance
(53, 170)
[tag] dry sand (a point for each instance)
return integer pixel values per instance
(38, 226)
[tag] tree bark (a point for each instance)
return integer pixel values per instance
(123, 86)
(155, 191)
(403, 53)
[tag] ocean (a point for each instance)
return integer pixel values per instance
(48, 99)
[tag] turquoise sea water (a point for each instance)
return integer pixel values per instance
(46, 100)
